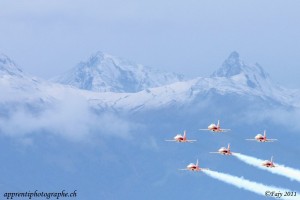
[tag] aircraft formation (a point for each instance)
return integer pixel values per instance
(216, 128)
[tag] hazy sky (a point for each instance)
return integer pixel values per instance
(192, 37)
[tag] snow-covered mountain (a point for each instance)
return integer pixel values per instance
(8, 67)
(250, 75)
(236, 76)
(234, 79)
(103, 72)
(14, 83)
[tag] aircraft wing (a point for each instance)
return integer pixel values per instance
(170, 140)
(225, 130)
(191, 141)
(271, 140)
(183, 169)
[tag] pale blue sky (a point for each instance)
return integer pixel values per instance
(191, 37)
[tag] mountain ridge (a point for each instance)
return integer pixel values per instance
(234, 65)
(106, 73)
(178, 93)
(8, 66)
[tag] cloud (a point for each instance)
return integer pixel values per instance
(280, 116)
(70, 117)
(245, 184)
(286, 118)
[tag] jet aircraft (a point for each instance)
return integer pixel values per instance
(181, 138)
(194, 167)
(262, 138)
(215, 128)
(224, 151)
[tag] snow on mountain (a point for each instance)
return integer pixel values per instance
(14, 83)
(8, 67)
(103, 73)
(252, 76)
(234, 77)
(20, 87)
(233, 65)
(250, 79)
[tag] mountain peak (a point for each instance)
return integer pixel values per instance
(233, 65)
(99, 55)
(6, 61)
(94, 60)
(8, 66)
(103, 72)
(234, 56)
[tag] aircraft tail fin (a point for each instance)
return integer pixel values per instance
(229, 147)
(265, 134)
(197, 163)
(272, 159)
(218, 125)
(184, 134)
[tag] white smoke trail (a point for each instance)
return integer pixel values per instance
(282, 170)
(258, 188)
